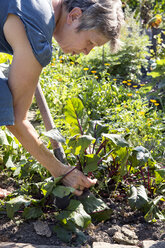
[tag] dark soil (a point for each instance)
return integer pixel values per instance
(19, 230)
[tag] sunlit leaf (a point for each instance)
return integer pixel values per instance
(55, 135)
(75, 115)
(91, 163)
(96, 208)
(79, 143)
(141, 154)
(117, 139)
(75, 213)
(62, 191)
(96, 128)
(3, 138)
(138, 198)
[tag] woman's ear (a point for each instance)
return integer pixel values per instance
(74, 14)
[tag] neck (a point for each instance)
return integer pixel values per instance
(60, 18)
(57, 6)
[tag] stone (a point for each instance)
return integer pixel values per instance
(153, 244)
(129, 233)
(101, 236)
(107, 245)
(120, 238)
(23, 245)
(42, 228)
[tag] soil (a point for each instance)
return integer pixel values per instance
(124, 226)
(123, 220)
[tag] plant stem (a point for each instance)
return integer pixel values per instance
(101, 146)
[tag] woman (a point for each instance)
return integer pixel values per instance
(26, 31)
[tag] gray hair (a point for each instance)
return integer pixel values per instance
(104, 16)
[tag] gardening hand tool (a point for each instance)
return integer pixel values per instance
(49, 124)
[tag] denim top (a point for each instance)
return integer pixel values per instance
(39, 22)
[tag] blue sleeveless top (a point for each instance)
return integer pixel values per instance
(38, 19)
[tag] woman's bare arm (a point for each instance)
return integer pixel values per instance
(23, 78)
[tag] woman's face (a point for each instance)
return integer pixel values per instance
(82, 42)
(74, 42)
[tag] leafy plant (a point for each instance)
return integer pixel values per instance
(158, 75)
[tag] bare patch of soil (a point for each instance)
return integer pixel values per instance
(123, 223)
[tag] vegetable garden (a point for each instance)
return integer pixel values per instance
(109, 112)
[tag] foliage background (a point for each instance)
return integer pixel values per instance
(110, 109)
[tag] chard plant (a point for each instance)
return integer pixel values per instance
(98, 152)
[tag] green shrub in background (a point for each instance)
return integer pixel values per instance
(158, 82)
(128, 62)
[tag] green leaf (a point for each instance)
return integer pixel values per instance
(161, 172)
(96, 128)
(32, 213)
(96, 208)
(62, 191)
(75, 115)
(3, 138)
(91, 163)
(117, 139)
(102, 215)
(79, 143)
(141, 154)
(80, 237)
(9, 163)
(154, 74)
(123, 156)
(14, 205)
(63, 234)
(47, 188)
(78, 214)
(154, 213)
(75, 213)
(55, 135)
(138, 198)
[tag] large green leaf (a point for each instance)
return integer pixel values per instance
(91, 163)
(161, 172)
(63, 234)
(79, 143)
(96, 208)
(96, 128)
(75, 115)
(138, 198)
(75, 213)
(141, 154)
(62, 191)
(32, 213)
(14, 205)
(154, 212)
(9, 163)
(123, 156)
(117, 139)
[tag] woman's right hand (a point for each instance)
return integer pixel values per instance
(78, 181)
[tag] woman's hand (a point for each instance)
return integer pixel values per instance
(78, 181)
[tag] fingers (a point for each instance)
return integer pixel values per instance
(88, 182)
(79, 181)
